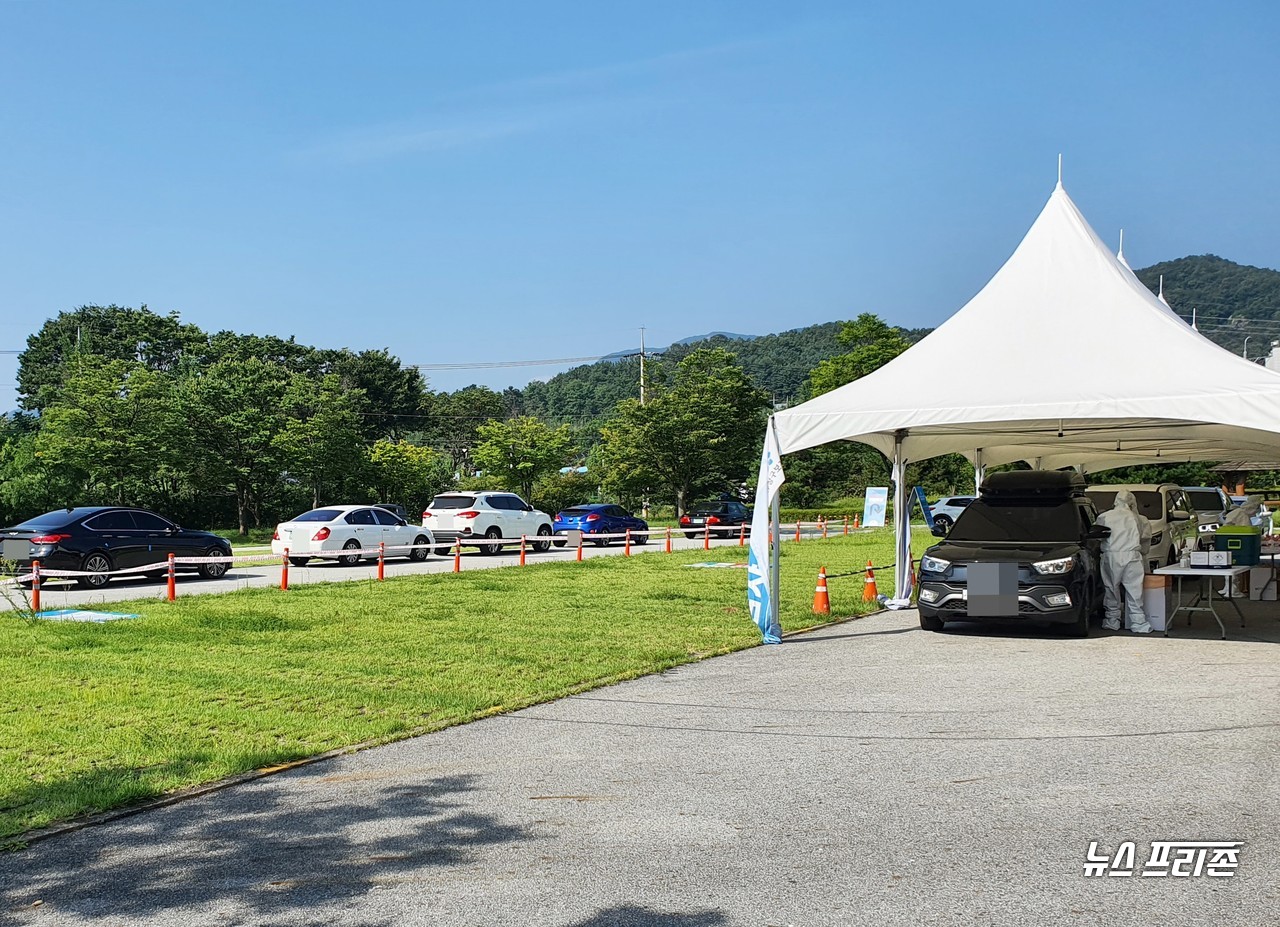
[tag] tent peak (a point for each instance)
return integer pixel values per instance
(1059, 187)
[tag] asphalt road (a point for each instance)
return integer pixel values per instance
(58, 594)
(870, 774)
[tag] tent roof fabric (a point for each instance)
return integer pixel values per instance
(1064, 358)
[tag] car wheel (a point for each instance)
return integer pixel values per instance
(640, 535)
(420, 549)
(299, 561)
(943, 521)
(99, 564)
(491, 549)
(560, 543)
(444, 551)
(691, 534)
(931, 624)
(1172, 559)
(214, 570)
(544, 545)
(1079, 627)
(600, 542)
(350, 559)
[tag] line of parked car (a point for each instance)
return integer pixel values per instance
(98, 540)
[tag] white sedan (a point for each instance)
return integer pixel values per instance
(350, 528)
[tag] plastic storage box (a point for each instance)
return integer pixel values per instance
(1243, 541)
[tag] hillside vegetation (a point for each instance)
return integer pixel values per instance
(1232, 301)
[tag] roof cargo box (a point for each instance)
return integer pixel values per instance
(1033, 484)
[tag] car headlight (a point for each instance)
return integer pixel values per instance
(1054, 567)
(1157, 537)
(934, 564)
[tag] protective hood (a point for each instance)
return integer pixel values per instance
(1127, 500)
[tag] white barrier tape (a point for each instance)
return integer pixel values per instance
(726, 531)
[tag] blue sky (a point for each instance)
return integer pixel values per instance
(508, 181)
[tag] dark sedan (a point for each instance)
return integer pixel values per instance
(599, 519)
(98, 539)
(718, 517)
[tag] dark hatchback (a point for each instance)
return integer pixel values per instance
(600, 519)
(1027, 549)
(99, 539)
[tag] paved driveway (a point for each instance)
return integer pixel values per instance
(871, 773)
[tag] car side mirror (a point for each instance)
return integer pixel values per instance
(528, 507)
(939, 531)
(1179, 515)
(1099, 533)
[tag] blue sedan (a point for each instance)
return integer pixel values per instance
(599, 519)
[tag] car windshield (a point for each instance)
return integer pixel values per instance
(452, 502)
(319, 515)
(996, 521)
(1205, 500)
(1148, 502)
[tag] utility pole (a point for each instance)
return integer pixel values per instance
(641, 365)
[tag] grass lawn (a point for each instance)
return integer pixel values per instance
(99, 716)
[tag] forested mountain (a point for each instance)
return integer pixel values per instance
(778, 364)
(1232, 301)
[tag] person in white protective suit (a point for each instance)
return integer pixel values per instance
(1242, 515)
(1124, 558)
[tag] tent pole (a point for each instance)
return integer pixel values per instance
(901, 522)
(775, 554)
(979, 471)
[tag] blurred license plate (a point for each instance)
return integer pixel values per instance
(16, 550)
(697, 521)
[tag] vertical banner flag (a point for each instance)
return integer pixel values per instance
(874, 505)
(759, 597)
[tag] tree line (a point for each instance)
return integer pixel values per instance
(127, 406)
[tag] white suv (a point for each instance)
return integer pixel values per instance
(465, 516)
(946, 511)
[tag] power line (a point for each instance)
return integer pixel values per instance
(487, 365)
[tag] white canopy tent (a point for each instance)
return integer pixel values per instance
(1063, 359)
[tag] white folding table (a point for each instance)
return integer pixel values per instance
(1228, 574)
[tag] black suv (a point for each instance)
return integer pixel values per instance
(1027, 548)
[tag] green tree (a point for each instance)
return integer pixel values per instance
(407, 473)
(453, 420)
(870, 343)
(700, 434)
(84, 337)
(394, 393)
(321, 444)
(116, 424)
(520, 451)
(234, 410)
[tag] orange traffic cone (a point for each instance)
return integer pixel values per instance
(857, 521)
(821, 600)
(869, 591)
